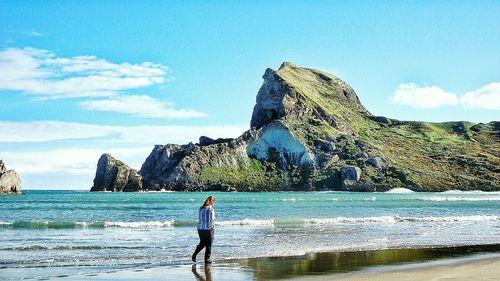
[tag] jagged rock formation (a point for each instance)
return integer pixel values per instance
(195, 167)
(114, 175)
(9, 180)
(309, 131)
(208, 141)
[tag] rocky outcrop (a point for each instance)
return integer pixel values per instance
(309, 131)
(274, 100)
(219, 166)
(162, 169)
(114, 175)
(350, 176)
(9, 180)
(204, 141)
(284, 94)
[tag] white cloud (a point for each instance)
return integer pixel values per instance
(35, 33)
(40, 72)
(423, 97)
(75, 164)
(140, 106)
(42, 131)
(72, 168)
(487, 97)
(70, 161)
(46, 131)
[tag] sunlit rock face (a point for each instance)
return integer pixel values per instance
(275, 142)
(270, 104)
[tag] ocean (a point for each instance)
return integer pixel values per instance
(51, 234)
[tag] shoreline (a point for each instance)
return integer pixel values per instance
(476, 267)
(462, 263)
(321, 263)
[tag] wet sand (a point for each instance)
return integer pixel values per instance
(486, 268)
(480, 262)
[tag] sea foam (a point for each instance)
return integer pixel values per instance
(439, 199)
(399, 190)
(139, 224)
(249, 222)
(396, 219)
(344, 220)
(455, 191)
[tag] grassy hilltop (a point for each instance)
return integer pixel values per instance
(435, 156)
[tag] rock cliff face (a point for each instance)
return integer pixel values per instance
(9, 180)
(114, 175)
(309, 131)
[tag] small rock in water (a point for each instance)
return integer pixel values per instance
(114, 175)
(9, 180)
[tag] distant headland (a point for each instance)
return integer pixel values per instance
(310, 132)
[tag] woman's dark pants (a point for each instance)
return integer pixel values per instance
(206, 239)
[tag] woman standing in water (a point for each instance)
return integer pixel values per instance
(206, 227)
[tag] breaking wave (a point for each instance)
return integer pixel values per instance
(399, 190)
(395, 219)
(344, 220)
(101, 224)
(139, 224)
(248, 222)
(439, 199)
(68, 248)
(293, 199)
(244, 222)
(455, 191)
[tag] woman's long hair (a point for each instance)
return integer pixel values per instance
(208, 201)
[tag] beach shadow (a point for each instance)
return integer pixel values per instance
(208, 273)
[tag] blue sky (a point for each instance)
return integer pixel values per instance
(78, 80)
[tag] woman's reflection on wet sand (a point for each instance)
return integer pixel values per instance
(208, 273)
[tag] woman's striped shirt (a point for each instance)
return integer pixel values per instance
(206, 218)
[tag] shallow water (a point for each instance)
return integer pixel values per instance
(59, 233)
